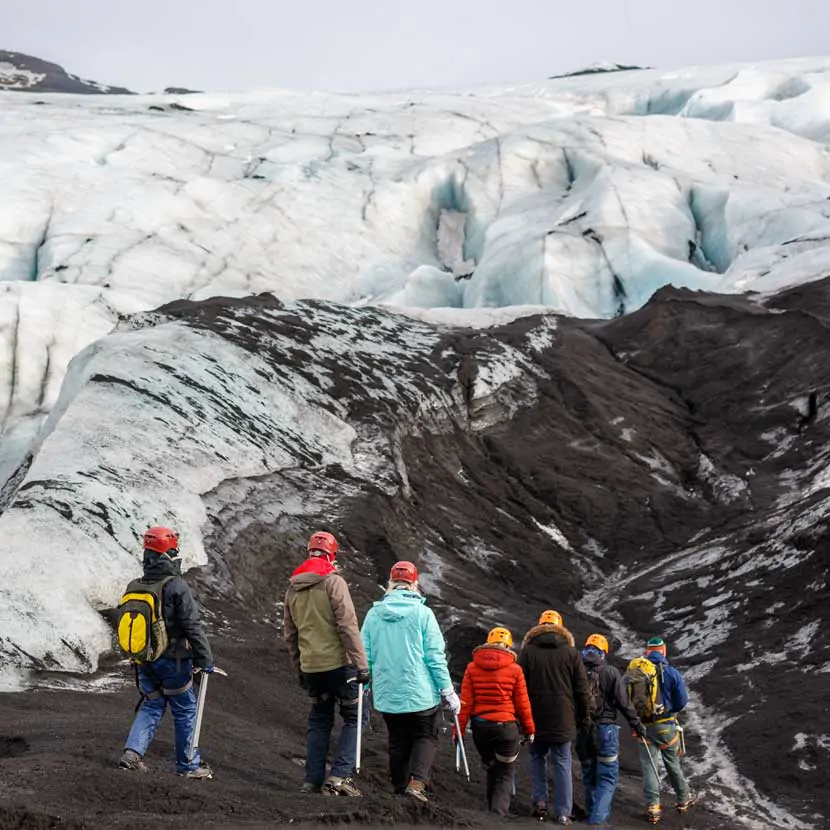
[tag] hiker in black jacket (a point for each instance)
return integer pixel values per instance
(598, 741)
(169, 679)
(557, 688)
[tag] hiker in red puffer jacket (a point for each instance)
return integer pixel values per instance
(494, 700)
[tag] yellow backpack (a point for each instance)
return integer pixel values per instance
(642, 681)
(142, 634)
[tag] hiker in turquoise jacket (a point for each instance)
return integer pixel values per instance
(407, 660)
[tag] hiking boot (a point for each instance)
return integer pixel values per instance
(653, 813)
(334, 785)
(132, 760)
(540, 810)
(309, 788)
(417, 789)
(203, 771)
(682, 806)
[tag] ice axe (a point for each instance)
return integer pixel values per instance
(200, 710)
(359, 729)
(460, 752)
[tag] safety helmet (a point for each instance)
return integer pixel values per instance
(550, 618)
(161, 539)
(500, 637)
(598, 641)
(403, 572)
(656, 644)
(322, 542)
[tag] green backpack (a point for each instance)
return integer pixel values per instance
(642, 682)
(142, 634)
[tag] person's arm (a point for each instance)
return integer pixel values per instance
(435, 653)
(467, 701)
(289, 632)
(366, 636)
(579, 681)
(621, 701)
(521, 705)
(345, 619)
(678, 695)
(187, 617)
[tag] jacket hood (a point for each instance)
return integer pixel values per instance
(548, 635)
(159, 565)
(398, 605)
(592, 657)
(490, 657)
(657, 658)
(315, 569)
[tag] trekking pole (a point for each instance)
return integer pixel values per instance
(460, 747)
(359, 728)
(200, 711)
(647, 744)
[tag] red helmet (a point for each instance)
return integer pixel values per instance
(403, 572)
(161, 539)
(323, 543)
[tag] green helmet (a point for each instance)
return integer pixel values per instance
(655, 642)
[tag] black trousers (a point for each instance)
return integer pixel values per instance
(413, 740)
(498, 746)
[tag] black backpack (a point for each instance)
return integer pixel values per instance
(596, 699)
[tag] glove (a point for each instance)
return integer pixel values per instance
(640, 733)
(302, 680)
(528, 739)
(451, 700)
(209, 669)
(363, 676)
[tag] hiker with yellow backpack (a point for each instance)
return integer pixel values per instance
(658, 694)
(159, 630)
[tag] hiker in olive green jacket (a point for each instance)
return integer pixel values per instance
(324, 642)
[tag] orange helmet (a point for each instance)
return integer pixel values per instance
(550, 618)
(500, 637)
(161, 539)
(598, 641)
(403, 572)
(321, 542)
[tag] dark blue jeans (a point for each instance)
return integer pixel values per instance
(169, 681)
(329, 689)
(600, 761)
(562, 781)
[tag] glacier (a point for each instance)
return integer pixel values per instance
(227, 310)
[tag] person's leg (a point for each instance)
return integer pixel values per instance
(608, 766)
(347, 696)
(149, 715)
(649, 755)
(539, 773)
(506, 751)
(586, 750)
(563, 792)
(320, 724)
(400, 746)
(484, 742)
(425, 727)
(668, 742)
(180, 694)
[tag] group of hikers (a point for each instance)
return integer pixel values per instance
(548, 697)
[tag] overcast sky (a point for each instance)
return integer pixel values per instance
(376, 44)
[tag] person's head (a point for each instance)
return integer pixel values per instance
(403, 576)
(323, 544)
(656, 644)
(162, 540)
(550, 617)
(598, 642)
(500, 637)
